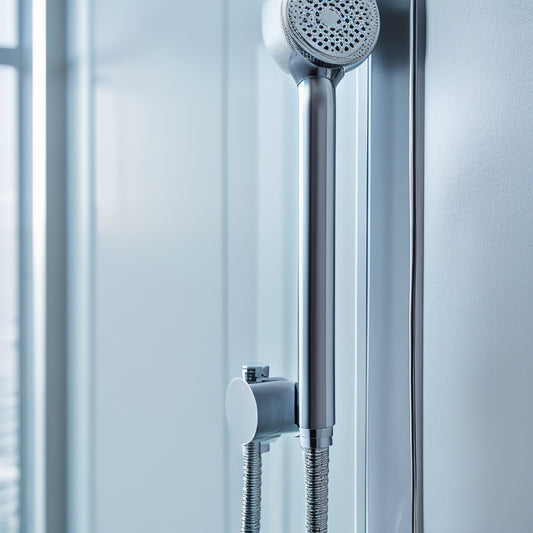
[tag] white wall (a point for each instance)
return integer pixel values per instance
(478, 347)
(159, 450)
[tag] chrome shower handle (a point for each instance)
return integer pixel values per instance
(316, 264)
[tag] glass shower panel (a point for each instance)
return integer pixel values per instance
(9, 309)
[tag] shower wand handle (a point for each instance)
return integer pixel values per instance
(316, 264)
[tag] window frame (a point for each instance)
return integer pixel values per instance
(39, 60)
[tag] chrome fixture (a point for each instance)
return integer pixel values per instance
(259, 410)
(317, 42)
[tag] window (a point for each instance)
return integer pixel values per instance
(8, 23)
(9, 277)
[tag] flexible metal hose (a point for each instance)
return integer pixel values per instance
(316, 463)
(251, 488)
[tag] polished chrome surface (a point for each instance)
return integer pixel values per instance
(300, 68)
(316, 465)
(255, 372)
(416, 299)
(251, 488)
(261, 411)
(316, 281)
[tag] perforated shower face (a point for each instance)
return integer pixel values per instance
(339, 33)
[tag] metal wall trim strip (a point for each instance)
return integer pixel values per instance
(416, 303)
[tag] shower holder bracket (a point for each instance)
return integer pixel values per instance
(261, 408)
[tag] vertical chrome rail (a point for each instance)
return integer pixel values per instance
(316, 279)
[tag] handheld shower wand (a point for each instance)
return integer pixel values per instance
(317, 42)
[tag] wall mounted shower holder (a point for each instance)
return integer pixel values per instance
(261, 408)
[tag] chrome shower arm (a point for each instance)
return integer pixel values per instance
(316, 276)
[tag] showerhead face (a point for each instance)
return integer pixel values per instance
(327, 33)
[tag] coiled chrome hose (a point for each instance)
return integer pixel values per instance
(251, 488)
(316, 464)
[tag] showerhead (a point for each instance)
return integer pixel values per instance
(322, 33)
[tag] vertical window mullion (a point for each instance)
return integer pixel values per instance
(26, 378)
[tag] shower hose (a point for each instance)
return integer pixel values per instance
(251, 488)
(316, 466)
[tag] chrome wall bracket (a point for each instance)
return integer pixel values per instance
(259, 410)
